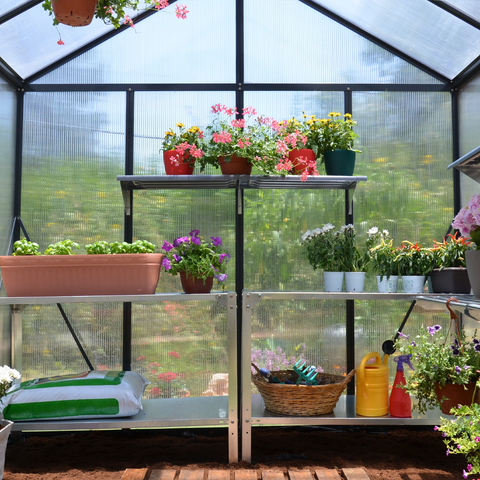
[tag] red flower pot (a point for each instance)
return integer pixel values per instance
(195, 285)
(307, 153)
(184, 167)
(76, 13)
(236, 166)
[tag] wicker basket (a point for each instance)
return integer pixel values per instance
(300, 400)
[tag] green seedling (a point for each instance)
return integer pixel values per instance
(25, 247)
(65, 247)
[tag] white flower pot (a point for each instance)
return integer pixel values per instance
(413, 283)
(4, 434)
(387, 284)
(333, 281)
(354, 281)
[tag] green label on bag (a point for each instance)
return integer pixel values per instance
(63, 408)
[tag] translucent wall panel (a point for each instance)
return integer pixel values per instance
(292, 43)
(181, 347)
(8, 102)
(163, 49)
(449, 47)
(74, 148)
(469, 126)
(49, 348)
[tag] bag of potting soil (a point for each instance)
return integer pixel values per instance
(93, 394)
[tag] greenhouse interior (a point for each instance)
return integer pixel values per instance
(87, 114)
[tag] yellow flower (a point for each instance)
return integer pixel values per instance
(347, 115)
(169, 133)
(180, 125)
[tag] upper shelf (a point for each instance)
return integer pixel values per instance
(469, 164)
(149, 182)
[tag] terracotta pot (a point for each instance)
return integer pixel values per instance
(450, 280)
(184, 167)
(301, 152)
(236, 166)
(339, 162)
(455, 395)
(76, 13)
(195, 285)
(68, 275)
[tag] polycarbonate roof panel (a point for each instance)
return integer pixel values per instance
(29, 40)
(7, 7)
(469, 7)
(420, 29)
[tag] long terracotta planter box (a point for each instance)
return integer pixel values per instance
(67, 275)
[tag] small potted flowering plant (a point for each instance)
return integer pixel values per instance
(237, 144)
(445, 367)
(382, 255)
(467, 221)
(461, 435)
(450, 274)
(415, 262)
(81, 12)
(336, 145)
(198, 262)
(180, 150)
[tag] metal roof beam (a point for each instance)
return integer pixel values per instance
(467, 74)
(376, 40)
(10, 75)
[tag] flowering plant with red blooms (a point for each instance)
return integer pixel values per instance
(451, 251)
(186, 141)
(112, 12)
(414, 259)
(252, 137)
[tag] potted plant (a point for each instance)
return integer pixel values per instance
(467, 221)
(180, 150)
(237, 144)
(415, 262)
(80, 13)
(115, 269)
(302, 140)
(198, 262)
(324, 250)
(382, 257)
(450, 273)
(336, 146)
(444, 366)
(461, 435)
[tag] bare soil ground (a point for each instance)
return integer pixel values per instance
(394, 454)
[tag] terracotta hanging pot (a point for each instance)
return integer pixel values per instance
(195, 285)
(455, 395)
(293, 156)
(76, 13)
(339, 162)
(184, 167)
(236, 166)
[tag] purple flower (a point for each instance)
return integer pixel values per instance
(465, 474)
(476, 341)
(447, 452)
(455, 350)
(166, 264)
(401, 335)
(194, 233)
(469, 467)
(178, 241)
(458, 369)
(217, 241)
(435, 427)
(223, 256)
(167, 246)
(195, 240)
(221, 276)
(477, 347)
(433, 330)
(177, 258)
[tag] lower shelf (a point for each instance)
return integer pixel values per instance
(344, 414)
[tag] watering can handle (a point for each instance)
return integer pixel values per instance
(361, 370)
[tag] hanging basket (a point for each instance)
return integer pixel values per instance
(300, 400)
(75, 13)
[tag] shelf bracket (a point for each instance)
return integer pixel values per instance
(126, 201)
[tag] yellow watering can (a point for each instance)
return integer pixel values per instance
(372, 386)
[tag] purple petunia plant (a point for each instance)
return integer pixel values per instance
(438, 359)
(198, 258)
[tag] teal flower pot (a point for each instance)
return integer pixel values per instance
(339, 162)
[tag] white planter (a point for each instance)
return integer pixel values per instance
(354, 281)
(413, 283)
(472, 258)
(333, 281)
(4, 434)
(387, 284)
